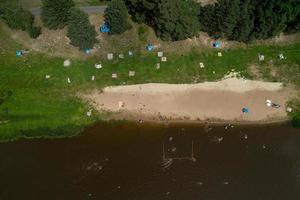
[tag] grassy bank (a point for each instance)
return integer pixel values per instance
(50, 108)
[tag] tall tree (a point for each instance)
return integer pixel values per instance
(243, 30)
(293, 24)
(271, 18)
(142, 10)
(55, 13)
(116, 16)
(245, 20)
(229, 10)
(81, 33)
(176, 19)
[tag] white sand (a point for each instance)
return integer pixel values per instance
(221, 100)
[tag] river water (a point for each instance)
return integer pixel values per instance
(127, 161)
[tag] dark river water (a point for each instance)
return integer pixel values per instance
(127, 161)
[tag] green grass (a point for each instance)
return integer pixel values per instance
(50, 108)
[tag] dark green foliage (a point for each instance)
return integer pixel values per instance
(137, 10)
(81, 33)
(245, 20)
(243, 30)
(55, 13)
(116, 17)
(208, 19)
(143, 32)
(270, 18)
(18, 18)
(296, 120)
(295, 114)
(294, 18)
(34, 31)
(230, 13)
(171, 19)
(15, 16)
(176, 19)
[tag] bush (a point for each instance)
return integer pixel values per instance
(15, 16)
(295, 114)
(18, 18)
(143, 32)
(81, 33)
(296, 120)
(116, 17)
(55, 13)
(34, 31)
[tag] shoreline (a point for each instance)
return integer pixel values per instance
(130, 117)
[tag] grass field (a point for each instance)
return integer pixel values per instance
(51, 108)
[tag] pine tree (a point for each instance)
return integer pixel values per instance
(142, 10)
(244, 28)
(271, 18)
(116, 17)
(81, 33)
(176, 19)
(229, 10)
(208, 19)
(55, 13)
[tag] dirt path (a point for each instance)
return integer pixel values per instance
(222, 100)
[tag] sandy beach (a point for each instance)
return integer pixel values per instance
(214, 101)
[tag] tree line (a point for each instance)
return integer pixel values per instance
(247, 20)
(241, 20)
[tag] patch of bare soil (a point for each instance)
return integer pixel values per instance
(282, 39)
(255, 72)
(51, 42)
(200, 43)
(56, 42)
(206, 2)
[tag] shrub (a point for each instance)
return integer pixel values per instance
(18, 18)
(296, 120)
(34, 31)
(143, 32)
(15, 16)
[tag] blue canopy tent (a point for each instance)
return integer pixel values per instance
(149, 47)
(104, 28)
(245, 110)
(87, 51)
(217, 44)
(19, 53)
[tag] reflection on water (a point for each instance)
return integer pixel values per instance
(152, 162)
